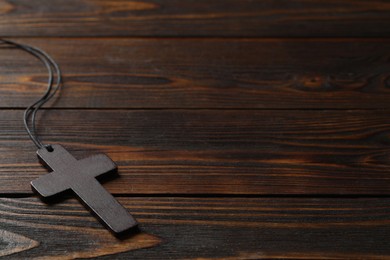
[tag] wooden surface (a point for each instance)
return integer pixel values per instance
(213, 151)
(203, 228)
(205, 73)
(270, 18)
(241, 129)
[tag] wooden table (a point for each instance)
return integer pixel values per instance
(242, 129)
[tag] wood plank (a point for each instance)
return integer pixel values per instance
(204, 73)
(206, 228)
(212, 151)
(265, 18)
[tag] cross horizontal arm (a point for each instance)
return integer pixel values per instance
(49, 185)
(96, 165)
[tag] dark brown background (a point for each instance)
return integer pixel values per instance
(242, 129)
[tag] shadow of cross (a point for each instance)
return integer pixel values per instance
(80, 177)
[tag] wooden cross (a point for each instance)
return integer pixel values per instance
(80, 177)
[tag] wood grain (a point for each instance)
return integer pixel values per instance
(63, 231)
(212, 151)
(205, 228)
(204, 73)
(260, 18)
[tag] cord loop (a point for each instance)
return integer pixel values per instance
(31, 111)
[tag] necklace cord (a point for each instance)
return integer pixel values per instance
(53, 84)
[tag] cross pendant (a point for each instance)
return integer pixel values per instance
(67, 173)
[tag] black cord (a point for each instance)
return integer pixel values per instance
(31, 111)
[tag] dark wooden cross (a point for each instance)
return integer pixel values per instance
(80, 177)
